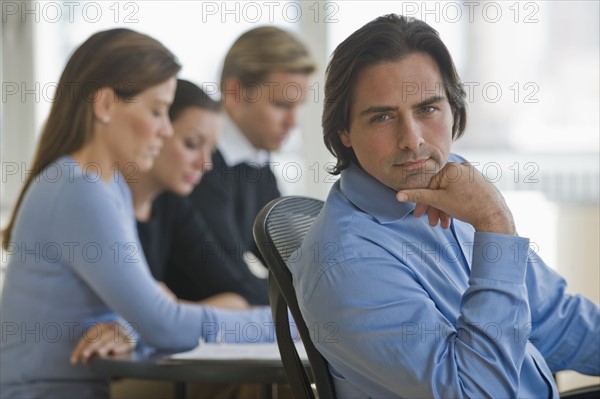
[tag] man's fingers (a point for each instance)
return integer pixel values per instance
(416, 195)
(420, 210)
(423, 196)
(434, 215)
(445, 219)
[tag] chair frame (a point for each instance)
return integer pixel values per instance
(282, 296)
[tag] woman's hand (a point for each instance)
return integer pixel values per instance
(163, 287)
(226, 300)
(102, 339)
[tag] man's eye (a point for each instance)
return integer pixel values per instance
(283, 105)
(192, 145)
(381, 118)
(428, 109)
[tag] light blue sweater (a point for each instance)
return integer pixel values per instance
(74, 259)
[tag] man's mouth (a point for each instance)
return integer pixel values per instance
(413, 165)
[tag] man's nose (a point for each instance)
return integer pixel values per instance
(410, 135)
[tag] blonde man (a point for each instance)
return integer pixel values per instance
(263, 82)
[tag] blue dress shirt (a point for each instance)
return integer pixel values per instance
(402, 309)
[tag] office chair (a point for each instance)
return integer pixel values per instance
(279, 229)
(589, 392)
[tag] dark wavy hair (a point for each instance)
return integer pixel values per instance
(385, 39)
(189, 95)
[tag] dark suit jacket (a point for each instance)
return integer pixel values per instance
(229, 198)
(182, 253)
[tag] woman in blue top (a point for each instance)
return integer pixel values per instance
(75, 258)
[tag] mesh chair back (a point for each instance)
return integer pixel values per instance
(279, 230)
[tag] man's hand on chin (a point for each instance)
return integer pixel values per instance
(461, 192)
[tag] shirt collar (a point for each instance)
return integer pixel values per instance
(372, 197)
(236, 148)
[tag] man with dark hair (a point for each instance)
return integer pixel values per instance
(263, 83)
(448, 305)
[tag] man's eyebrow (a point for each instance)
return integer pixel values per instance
(387, 108)
(429, 101)
(162, 101)
(378, 108)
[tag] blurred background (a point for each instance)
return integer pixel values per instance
(531, 71)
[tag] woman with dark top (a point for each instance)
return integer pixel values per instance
(179, 249)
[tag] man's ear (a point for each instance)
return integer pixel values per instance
(345, 138)
(103, 104)
(232, 92)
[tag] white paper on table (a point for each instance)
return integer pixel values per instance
(262, 351)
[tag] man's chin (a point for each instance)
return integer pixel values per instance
(414, 182)
(273, 147)
(277, 142)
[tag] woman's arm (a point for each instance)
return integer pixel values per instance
(97, 222)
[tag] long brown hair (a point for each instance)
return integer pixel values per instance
(124, 60)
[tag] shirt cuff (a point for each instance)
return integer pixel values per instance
(500, 257)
